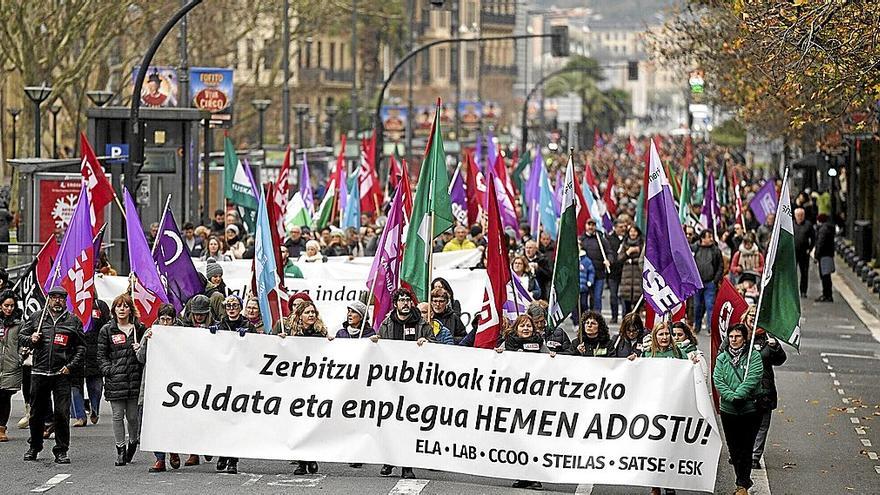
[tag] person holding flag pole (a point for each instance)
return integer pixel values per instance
(565, 282)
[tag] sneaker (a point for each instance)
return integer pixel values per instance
(407, 473)
(521, 484)
(93, 418)
(232, 467)
(31, 454)
(159, 467)
(386, 470)
(61, 458)
(78, 423)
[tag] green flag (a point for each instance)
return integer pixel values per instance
(779, 307)
(325, 209)
(431, 206)
(298, 212)
(684, 201)
(238, 186)
(640, 209)
(565, 285)
(673, 181)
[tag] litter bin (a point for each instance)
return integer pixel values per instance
(863, 240)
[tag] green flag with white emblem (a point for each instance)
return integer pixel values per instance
(565, 285)
(430, 206)
(779, 307)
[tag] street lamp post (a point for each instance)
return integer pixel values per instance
(331, 111)
(37, 94)
(301, 109)
(261, 106)
(100, 98)
(14, 113)
(55, 108)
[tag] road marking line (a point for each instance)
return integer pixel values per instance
(877, 468)
(851, 410)
(836, 383)
(869, 320)
(299, 481)
(845, 336)
(52, 483)
(872, 456)
(833, 374)
(254, 479)
(845, 400)
(830, 368)
(584, 490)
(761, 483)
(409, 487)
(841, 392)
(825, 360)
(853, 356)
(854, 421)
(860, 430)
(865, 442)
(845, 327)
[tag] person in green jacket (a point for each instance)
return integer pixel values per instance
(737, 376)
(662, 345)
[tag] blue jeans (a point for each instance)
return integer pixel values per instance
(77, 409)
(614, 288)
(95, 388)
(704, 301)
(596, 302)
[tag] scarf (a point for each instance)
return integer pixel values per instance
(749, 259)
(735, 354)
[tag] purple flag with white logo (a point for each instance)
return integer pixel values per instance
(518, 298)
(146, 287)
(764, 202)
(670, 273)
(384, 275)
(458, 197)
(305, 186)
(709, 214)
(533, 193)
(176, 269)
(491, 153)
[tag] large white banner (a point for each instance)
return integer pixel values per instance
(510, 415)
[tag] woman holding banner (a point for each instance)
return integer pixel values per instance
(737, 377)
(118, 343)
(594, 340)
(686, 341)
(629, 341)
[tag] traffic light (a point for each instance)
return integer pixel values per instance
(559, 41)
(632, 70)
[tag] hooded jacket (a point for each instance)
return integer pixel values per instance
(412, 328)
(118, 360)
(10, 359)
(365, 331)
(450, 319)
(61, 344)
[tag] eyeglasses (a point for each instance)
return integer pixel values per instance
(589, 323)
(732, 337)
(232, 305)
(439, 300)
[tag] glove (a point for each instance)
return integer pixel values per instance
(242, 331)
(213, 330)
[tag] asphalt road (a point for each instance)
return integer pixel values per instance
(822, 440)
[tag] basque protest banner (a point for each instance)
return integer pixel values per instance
(560, 419)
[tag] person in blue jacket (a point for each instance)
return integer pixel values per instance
(587, 277)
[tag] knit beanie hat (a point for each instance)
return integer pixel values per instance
(213, 269)
(358, 307)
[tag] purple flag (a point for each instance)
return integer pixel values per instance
(670, 273)
(146, 287)
(533, 192)
(343, 191)
(764, 202)
(74, 267)
(505, 207)
(518, 298)
(491, 153)
(709, 214)
(458, 197)
(176, 269)
(384, 275)
(305, 186)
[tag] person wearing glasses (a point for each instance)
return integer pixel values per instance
(232, 321)
(596, 338)
(629, 341)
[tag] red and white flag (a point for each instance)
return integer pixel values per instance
(728, 310)
(476, 190)
(98, 187)
(610, 196)
(282, 193)
(497, 267)
(368, 178)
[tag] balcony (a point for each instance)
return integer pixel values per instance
(499, 70)
(310, 75)
(497, 19)
(342, 76)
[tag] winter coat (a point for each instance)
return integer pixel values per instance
(452, 320)
(442, 334)
(747, 261)
(737, 390)
(296, 248)
(599, 346)
(118, 361)
(804, 238)
(543, 274)
(615, 242)
(412, 328)
(100, 317)
(535, 343)
(241, 325)
(824, 240)
(10, 359)
(556, 340)
(770, 356)
(672, 353)
(631, 271)
(586, 274)
(624, 347)
(590, 244)
(366, 331)
(335, 250)
(455, 245)
(62, 343)
(709, 262)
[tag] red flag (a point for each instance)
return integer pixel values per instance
(498, 269)
(368, 179)
(282, 192)
(678, 313)
(583, 209)
(610, 197)
(475, 195)
(45, 259)
(688, 152)
(631, 146)
(728, 310)
(100, 191)
(406, 191)
(395, 172)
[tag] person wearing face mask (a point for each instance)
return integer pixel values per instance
(737, 378)
(594, 339)
(232, 321)
(403, 323)
(118, 343)
(167, 317)
(356, 326)
(10, 359)
(56, 337)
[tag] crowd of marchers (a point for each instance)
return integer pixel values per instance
(65, 373)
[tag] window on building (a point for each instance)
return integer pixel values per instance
(442, 63)
(320, 54)
(470, 64)
(249, 54)
(426, 67)
(269, 53)
(332, 56)
(308, 54)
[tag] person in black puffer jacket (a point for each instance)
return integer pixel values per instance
(596, 339)
(118, 343)
(232, 321)
(448, 317)
(555, 339)
(772, 354)
(90, 373)
(629, 340)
